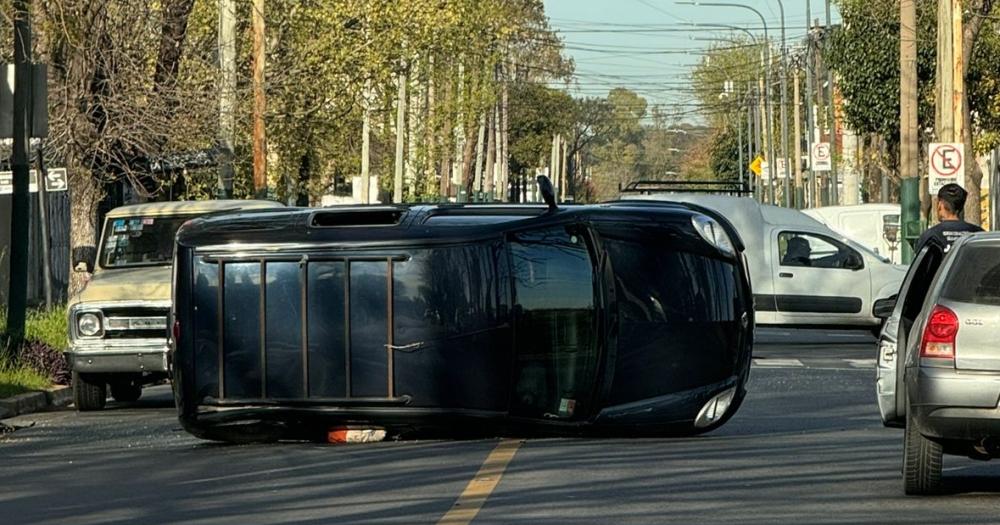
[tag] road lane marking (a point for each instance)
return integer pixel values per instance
(472, 499)
(778, 363)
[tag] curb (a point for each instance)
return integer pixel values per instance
(30, 402)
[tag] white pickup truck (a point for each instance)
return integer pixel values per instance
(802, 272)
(118, 323)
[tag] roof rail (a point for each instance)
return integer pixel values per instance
(722, 187)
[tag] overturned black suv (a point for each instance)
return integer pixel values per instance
(626, 317)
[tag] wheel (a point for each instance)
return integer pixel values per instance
(126, 390)
(90, 392)
(921, 461)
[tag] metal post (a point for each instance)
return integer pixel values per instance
(43, 219)
(911, 187)
(17, 297)
(750, 138)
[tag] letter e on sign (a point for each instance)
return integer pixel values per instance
(946, 165)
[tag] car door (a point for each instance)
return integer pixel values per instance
(895, 335)
(819, 279)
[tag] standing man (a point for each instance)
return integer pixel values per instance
(951, 202)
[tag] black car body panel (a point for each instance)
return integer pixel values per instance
(609, 316)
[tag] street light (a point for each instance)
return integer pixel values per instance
(767, 73)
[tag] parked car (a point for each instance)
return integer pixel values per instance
(118, 322)
(874, 226)
(634, 317)
(803, 273)
(947, 375)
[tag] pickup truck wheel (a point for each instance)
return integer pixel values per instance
(921, 461)
(126, 390)
(90, 392)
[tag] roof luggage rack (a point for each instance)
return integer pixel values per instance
(720, 187)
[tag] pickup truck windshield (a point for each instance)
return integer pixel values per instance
(139, 241)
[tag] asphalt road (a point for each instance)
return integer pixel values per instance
(806, 447)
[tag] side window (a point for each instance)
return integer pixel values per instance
(815, 251)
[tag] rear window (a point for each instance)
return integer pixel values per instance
(975, 276)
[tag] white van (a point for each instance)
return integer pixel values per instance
(875, 226)
(802, 272)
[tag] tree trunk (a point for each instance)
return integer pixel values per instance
(491, 155)
(468, 153)
(85, 194)
(172, 34)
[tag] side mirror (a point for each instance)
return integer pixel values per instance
(882, 309)
(83, 259)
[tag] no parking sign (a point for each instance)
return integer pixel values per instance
(946, 163)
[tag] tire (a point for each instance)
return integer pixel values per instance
(90, 392)
(126, 390)
(922, 459)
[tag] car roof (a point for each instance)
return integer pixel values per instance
(159, 209)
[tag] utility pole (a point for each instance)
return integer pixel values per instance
(17, 297)
(834, 178)
(259, 102)
(910, 189)
(810, 123)
(751, 140)
(797, 146)
(227, 96)
(786, 185)
(397, 182)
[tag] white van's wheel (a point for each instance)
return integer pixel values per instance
(90, 392)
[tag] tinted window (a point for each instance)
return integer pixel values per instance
(814, 251)
(975, 276)
(554, 288)
(678, 318)
(139, 241)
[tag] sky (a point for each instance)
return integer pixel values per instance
(651, 46)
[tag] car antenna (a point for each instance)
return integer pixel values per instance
(548, 192)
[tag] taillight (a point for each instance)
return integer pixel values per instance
(177, 332)
(939, 334)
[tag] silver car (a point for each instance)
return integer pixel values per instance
(946, 323)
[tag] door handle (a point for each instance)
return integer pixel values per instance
(786, 275)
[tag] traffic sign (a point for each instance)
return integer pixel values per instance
(756, 165)
(765, 170)
(55, 180)
(821, 157)
(946, 165)
(782, 170)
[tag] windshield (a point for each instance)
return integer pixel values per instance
(139, 241)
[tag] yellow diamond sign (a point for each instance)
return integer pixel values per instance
(757, 165)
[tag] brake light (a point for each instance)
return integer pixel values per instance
(177, 331)
(939, 334)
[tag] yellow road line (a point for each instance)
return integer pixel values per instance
(472, 499)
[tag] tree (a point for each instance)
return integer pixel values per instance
(864, 52)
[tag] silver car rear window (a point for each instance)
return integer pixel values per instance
(975, 276)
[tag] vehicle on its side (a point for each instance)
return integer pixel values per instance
(874, 226)
(118, 322)
(623, 317)
(803, 273)
(950, 382)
